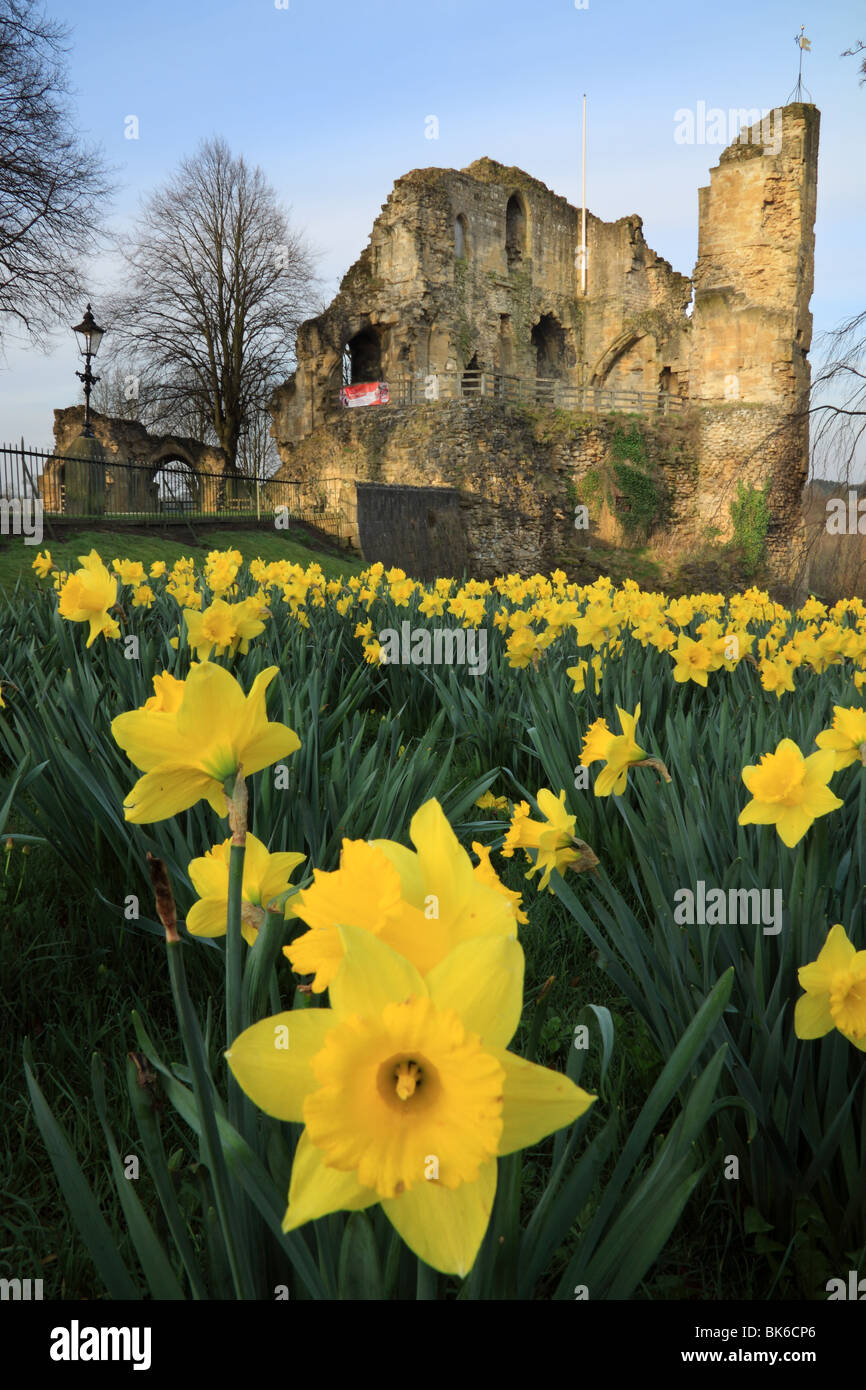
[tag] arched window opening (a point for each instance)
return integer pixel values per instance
(515, 230)
(365, 357)
(176, 487)
(461, 239)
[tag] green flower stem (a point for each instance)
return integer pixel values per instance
(234, 944)
(213, 1154)
(427, 1286)
(241, 1110)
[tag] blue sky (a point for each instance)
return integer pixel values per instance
(332, 100)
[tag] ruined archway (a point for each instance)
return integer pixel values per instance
(178, 488)
(141, 470)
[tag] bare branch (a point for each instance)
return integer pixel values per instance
(52, 186)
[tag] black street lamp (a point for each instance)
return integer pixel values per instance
(89, 336)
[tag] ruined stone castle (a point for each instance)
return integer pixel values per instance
(514, 354)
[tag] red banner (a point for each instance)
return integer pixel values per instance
(367, 393)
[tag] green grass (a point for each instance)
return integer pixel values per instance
(147, 545)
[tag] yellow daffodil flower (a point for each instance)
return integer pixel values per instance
(189, 750)
(835, 986)
(407, 1091)
(789, 791)
(618, 751)
(87, 595)
(555, 843)
(847, 737)
(423, 903)
(265, 877)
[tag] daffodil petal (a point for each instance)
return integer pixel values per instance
(166, 791)
(536, 1101)
(209, 876)
(149, 738)
(482, 980)
(317, 1190)
(445, 1226)
(271, 1060)
(812, 1017)
(212, 701)
(371, 975)
(207, 917)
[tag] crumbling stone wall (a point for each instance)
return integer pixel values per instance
(127, 442)
(516, 472)
(479, 267)
(411, 306)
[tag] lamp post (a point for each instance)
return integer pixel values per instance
(89, 336)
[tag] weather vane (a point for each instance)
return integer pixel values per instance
(803, 44)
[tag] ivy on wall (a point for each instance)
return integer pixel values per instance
(750, 514)
(633, 488)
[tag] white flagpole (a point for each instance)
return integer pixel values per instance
(583, 210)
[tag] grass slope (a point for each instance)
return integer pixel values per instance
(265, 542)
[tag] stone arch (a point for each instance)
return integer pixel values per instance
(178, 486)
(132, 460)
(516, 227)
(617, 349)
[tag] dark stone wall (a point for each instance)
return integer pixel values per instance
(418, 529)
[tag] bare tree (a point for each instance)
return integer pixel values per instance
(859, 47)
(257, 453)
(125, 392)
(218, 283)
(52, 185)
(837, 411)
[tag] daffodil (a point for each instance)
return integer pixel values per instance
(129, 571)
(192, 748)
(789, 791)
(265, 877)
(692, 660)
(407, 1092)
(43, 564)
(489, 802)
(847, 737)
(423, 904)
(211, 629)
(577, 674)
(835, 986)
(777, 676)
(618, 751)
(87, 595)
(555, 843)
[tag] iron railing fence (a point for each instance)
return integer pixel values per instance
(125, 490)
(500, 386)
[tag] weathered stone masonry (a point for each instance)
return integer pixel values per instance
(479, 268)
